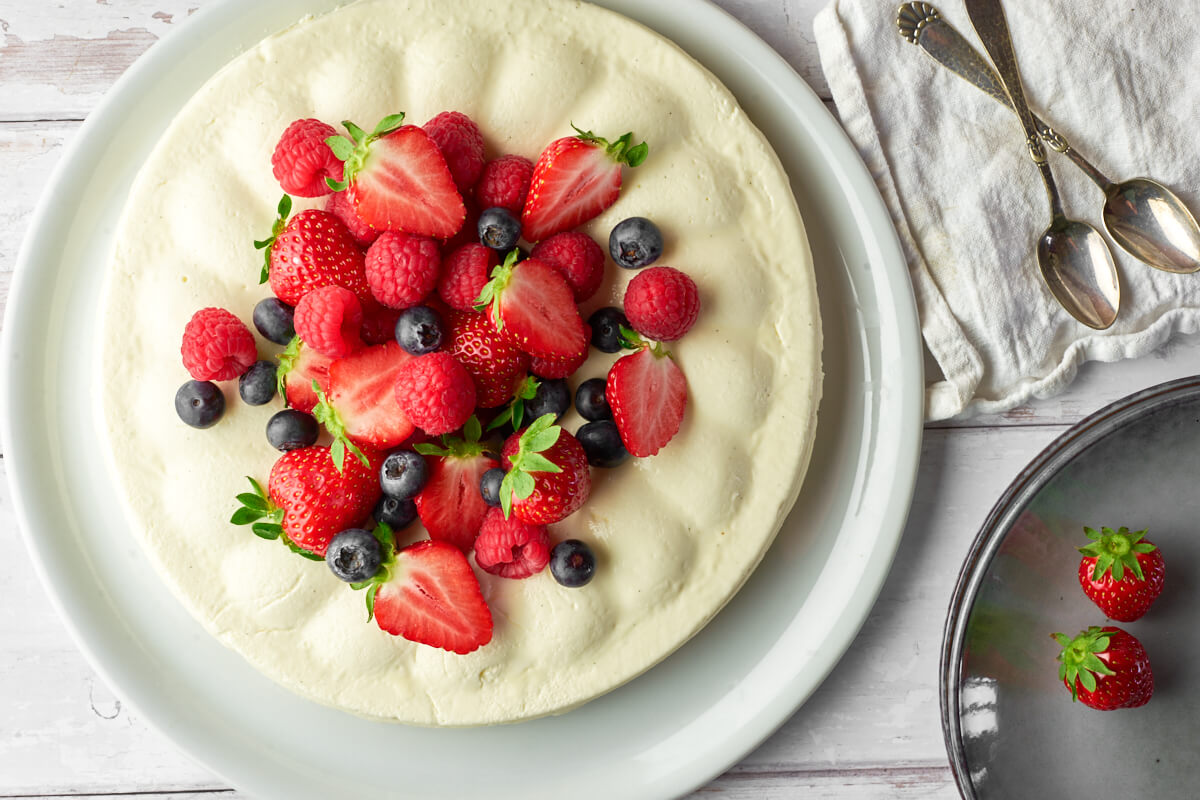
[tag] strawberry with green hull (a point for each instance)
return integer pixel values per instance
(574, 180)
(397, 180)
(311, 250)
(548, 477)
(449, 505)
(300, 367)
(531, 304)
(647, 393)
(309, 500)
(1105, 668)
(1121, 572)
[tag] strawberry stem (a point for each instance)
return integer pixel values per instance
(1080, 658)
(518, 482)
(1116, 551)
(491, 291)
(622, 151)
(284, 209)
(353, 152)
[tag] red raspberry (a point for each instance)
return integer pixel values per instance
(464, 275)
(340, 206)
(461, 144)
(217, 346)
(435, 392)
(328, 320)
(504, 182)
(577, 257)
(379, 325)
(511, 548)
(302, 161)
(552, 368)
(662, 303)
(402, 269)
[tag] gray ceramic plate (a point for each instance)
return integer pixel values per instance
(1011, 728)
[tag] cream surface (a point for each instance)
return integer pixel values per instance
(675, 534)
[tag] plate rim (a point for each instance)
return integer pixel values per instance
(887, 265)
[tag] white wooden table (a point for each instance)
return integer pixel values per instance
(871, 731)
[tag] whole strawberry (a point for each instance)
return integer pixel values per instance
(311, 250)
(1121, 572)
(1105, 668)
(548, 476)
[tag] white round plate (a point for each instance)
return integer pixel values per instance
(665, 733)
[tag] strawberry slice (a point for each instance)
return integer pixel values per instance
(532, 305)
(432, 597)
(299, 368)
(450, 505)
(647, 393)
(575, 179)
(360, 405)
(397, 180)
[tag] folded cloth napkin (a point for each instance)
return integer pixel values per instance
(1119, 80)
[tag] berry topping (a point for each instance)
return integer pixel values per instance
(308, 251)
(495, 365)
(360, 407)
(199, 403)
(329, 320)
(273, 318)
(635, 243)
(531, 304)
(461, 144)
(498, 229)
(606, 326)
(299, 368)
(340, 206)
(431, 595)
(217, 346)
(464, 274)
(511, 548)
(662, 303)
(397, 514)
(489, 486)
(436, 392)
(1105, 668)
(551, 397)
(572, 563)
(647, 394)
(577, 256)
(402, 269)
(397, 180)
(302, 161)
(419, 330)
(257, 384)
(354, 555)
(575, 179)
(602, 442)
(1121, 572)
(504, 183)
(403, 474)
(590, 401)
(548, 477)
(290, 429)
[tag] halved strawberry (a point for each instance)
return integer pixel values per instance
(360, 405)
(450, 505)
(431, 596)
(647, 393)
(397, 180)
(299, 368)
(575, 179)
(495, 364)
(311, 250)
(531, 304)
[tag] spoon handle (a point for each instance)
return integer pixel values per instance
(988, 18)
(922, 25)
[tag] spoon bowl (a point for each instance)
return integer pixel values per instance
(1149, 221)
(1078, 269)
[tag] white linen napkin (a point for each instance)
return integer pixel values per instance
(1120, 80)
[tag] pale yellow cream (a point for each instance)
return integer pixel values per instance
(675, 535)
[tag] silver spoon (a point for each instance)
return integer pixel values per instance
(1144, 217)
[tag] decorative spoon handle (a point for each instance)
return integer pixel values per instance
(922, 24)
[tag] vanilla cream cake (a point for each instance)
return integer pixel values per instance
(675, 534)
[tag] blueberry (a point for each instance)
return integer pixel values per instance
(394, 512)
(403, 474)
(291, 429)
(499, 229)
(590, 401)
(553, 397)
(635, 242)
(606, 328)
(354, 555)
(602, 443)
(257, 384)
(199, 403)
(273, 318)
(489, 486)
(419, 330)
(572, 563)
